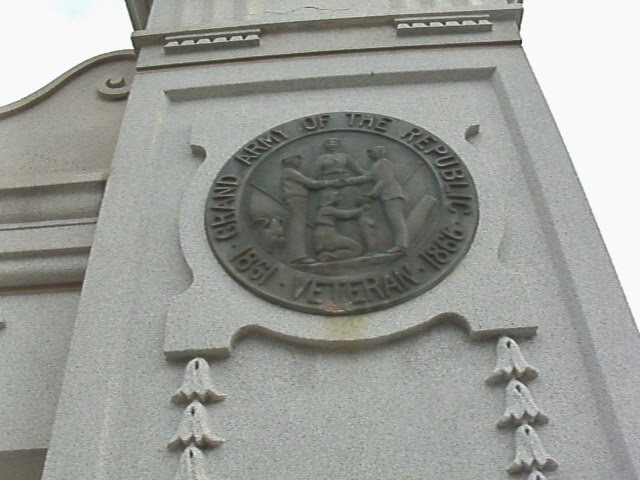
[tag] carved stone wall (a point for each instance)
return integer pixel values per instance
(388, 393)
(276, 390)
(34, 345)
(57, 146)
(199, 13)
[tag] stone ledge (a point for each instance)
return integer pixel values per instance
(298, 39)
(45, 254)
(50, 197)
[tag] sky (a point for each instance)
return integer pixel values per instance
(582, 59)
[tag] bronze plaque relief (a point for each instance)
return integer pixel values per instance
(342, 213)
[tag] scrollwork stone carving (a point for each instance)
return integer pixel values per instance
(115, 88)
(245, 200)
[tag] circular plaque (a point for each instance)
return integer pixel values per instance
(342, 213)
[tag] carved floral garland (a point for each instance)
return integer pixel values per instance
(194, 432)
(521, 411)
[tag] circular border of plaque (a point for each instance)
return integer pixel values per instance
(342, 213)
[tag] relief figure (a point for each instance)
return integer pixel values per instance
(367, 224)
(332, 204)
(329, 244)
(295, 193)
(336, 165)
(388, 190)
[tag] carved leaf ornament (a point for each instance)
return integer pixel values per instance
(530, 453)
(194, 428)
(197, 384)
(536, 475)
(521, 411)
(115, 88)
(510, 363)
(520, 407)
(192, 465)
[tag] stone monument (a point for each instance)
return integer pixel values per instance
(307, 240)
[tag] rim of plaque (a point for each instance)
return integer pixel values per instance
(342, 213)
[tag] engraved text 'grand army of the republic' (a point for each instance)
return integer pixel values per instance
(342, 213)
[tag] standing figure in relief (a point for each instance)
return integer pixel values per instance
(386, 188)
(295, 193)
(336, 165)
(367, 224)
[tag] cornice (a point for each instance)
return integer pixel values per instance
(174, 47)
(151, 36)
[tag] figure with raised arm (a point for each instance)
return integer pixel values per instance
(295, 193)
(386, 188)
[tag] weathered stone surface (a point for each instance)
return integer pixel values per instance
(397, 393)
(66, 127)
(281, 394)
(34, 346)
(57, 146)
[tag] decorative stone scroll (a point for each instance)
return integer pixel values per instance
(333, 218)
(521, 411)
(115, 88)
